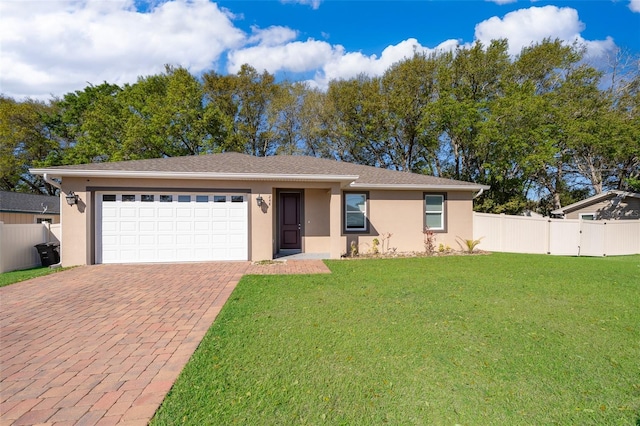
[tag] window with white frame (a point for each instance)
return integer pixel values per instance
(434, 212)
(588, 216)
(355, 212)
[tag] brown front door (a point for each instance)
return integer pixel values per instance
(290, 220)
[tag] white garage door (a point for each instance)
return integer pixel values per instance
(166, 227)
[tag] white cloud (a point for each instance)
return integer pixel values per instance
(634, 5)
(525, 27)
(315, 4)
(346, 65)
(296, 56)
(328, 61)
(272, 36)
(58, 46)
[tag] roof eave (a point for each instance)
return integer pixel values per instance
(60, 173)
(591, 200)
(412, 186)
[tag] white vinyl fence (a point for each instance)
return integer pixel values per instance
(569, 237)
(17, 243)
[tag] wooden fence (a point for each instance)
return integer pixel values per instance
(17, 244)
(568, 237)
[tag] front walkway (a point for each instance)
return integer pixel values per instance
(104, 344)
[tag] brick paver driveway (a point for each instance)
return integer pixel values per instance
(104, 344)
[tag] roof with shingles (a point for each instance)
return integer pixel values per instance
(17, 202)
(242, 164)
(595, 199)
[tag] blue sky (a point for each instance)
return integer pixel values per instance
(51, 47)
(370, 26)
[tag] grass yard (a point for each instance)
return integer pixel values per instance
(502, 339)
(7, 278)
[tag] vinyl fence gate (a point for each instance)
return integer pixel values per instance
(567, 237)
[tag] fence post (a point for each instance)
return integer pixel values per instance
(1, 247)
(503, 224)
(549, 236)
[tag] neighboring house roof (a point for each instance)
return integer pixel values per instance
(595, 199)
(235, 166)
(17, 202)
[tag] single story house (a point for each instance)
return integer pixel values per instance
(19, 208)
(611, 205)
(233, 206)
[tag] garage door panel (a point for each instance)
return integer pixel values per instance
(236, 227)
(164, 212)
(166, 255)
(235, 253)
(171, 227)
(219, 227)
(148, 226)
(110, 256)
(201, 226)
(147, 212)
(127, 226)
(165, 226)
(187, 239)
(127, 212)
(125, 240)
(109, 212)
(146, 255)
(110, 227)
(147, 240)
(166, 240)
(182, 226)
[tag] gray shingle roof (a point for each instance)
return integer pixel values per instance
(596, 199)
(235, 163)
(17, 202)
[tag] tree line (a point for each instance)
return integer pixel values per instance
(545, 125)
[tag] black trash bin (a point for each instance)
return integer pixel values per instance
(49, 254)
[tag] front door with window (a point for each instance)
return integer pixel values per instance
(290, 225)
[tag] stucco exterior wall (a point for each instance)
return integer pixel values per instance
(317, 221)
(400, 213)
(78, 222)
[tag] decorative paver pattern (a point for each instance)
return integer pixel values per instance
(103, 344)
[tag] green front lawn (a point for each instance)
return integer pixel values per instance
(501, 339)
(7, 278)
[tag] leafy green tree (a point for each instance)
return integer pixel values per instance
(408, 87)
(357, 130)
(284, 118)
(316, 116)
(469, 80)
(244, 101)
(24, 142)
(546, 66)
(88, 125)
(166, 116)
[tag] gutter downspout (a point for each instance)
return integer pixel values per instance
(52, 182)
(479, 193)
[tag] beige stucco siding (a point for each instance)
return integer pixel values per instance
(401, 214)
(317, 221)
(78, 222)
(460, 219)
(629, 208)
